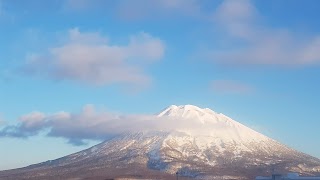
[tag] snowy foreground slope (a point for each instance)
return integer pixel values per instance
(208, 145)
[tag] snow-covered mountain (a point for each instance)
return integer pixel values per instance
(210, 146)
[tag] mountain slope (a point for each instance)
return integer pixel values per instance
(215, 146)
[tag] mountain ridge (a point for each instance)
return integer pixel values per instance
(213, 146)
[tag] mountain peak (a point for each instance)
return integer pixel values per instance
(209, 123)
(186, 111)
(208, 144)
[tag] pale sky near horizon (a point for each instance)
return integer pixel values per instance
(65, 64)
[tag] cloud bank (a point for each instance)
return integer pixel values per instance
(90, 58)
(90, 124)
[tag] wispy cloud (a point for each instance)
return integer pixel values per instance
(76, 127)
(260, 44)
(92, 59)
(230, 87)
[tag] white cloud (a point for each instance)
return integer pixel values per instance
(91, 58)
(260, 44)
(91, 124)
(230, 87)
(236, 16)
(33, 121)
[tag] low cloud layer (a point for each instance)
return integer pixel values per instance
(89, 124)
(90, 58)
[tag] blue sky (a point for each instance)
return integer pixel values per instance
(65, 61)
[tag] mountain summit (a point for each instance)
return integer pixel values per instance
(212, 124)
(184, 111)
(209, 145)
